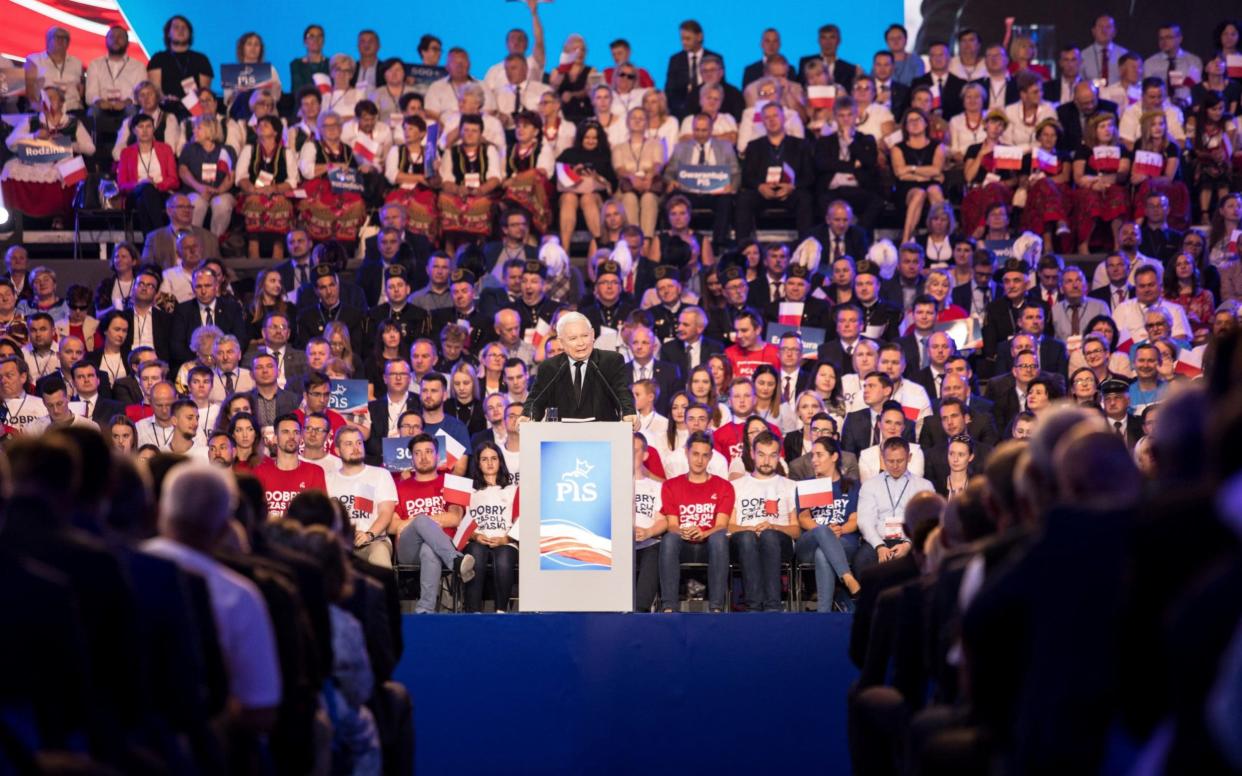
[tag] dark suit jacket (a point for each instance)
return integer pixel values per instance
(677, 81)
(1011, 92)
(910, 349)
(1161, 244)
(833, 352)
(862, 164)
(882, 314)
(186, 318)
(857, 430)
(1133, 428)
(950, 95)
(963, 295)
(1072, 121)
(674, 352)
(982, 426)
(285, 268)
(843, 72)
(594, 313)
(998, 327)
(891, 291)
(161, 333)
(311, 322)
(1105, 294)
(856, 242)
(874, 581)
(378, 410)
(900, 98)
(753, 72)
(95, 358)
(127, 391)
(103, 411)
(1005, 405)
(1053, 358)
(415, 248)
(287, 400)
(295, 364)
(370, 275)
(668, 379)
(606, 382)
(795, 152)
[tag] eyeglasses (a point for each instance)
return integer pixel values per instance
(1084, 381)
(79, 307)
(1026, 366)
(318, 394)
(627, 76)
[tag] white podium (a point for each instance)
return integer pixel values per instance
(576, 552)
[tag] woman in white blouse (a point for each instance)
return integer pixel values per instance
(660, 125)
(343, 97)
(557, 132)
(472, 100)
(966, 128)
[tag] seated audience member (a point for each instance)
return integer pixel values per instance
(206, 167)
(146, 173)
(37, 189)
(529, 171)
(778, 173)
(585, 177)
(763, 525)
(488, 528)
(331, 210)
(880, 519)
(703, 150)
(368, 495)
(696, 506)
(471, 172)
(267, 172)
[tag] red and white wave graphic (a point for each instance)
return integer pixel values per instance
(572, 546)
(26, 23)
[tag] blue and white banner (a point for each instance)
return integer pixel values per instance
(348, 396)
(35, 151)
(238, 77)
(424, 75)
(575, 500)
(344, 180)
(397, 454)
(812, 337)
(704, 178)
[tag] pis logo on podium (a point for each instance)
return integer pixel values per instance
(575, 485)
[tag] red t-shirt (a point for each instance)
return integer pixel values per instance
(279, 487)
(745, 362)
(728, 439)
(696, 503)
(416, 498)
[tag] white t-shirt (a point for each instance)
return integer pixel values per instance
(329, 463)
(511, 460)
(646, 500)
(24, 411)
(362, 493)
(148, 433)
(493, 510)
(40, 425)
(758, 500)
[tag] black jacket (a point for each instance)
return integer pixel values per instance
(378, 410)
(229, 318)
(677, 81)
(793, 151)
(862, 162)
(161, 333)
(668, 379)
(312, 321)
(856, 243)
(370, 275)
(843, 72)
(1072, 121)
(606, 395)
(674, 352)
(950, 95)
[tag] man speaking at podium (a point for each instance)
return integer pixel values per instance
(581, 383)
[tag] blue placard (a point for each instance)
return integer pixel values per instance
(575, 501)
(344, 180)
(812, 337)
(425, 75)
(348, 396)
(242, 78)
(397, 454)
(1002, 248)
(34, 151)
(703, 178)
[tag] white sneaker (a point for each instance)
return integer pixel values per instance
(464, 567)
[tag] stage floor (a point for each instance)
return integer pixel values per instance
(628, 693)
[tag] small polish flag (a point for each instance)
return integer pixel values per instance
(1126, 346)
(1008, 157)
(1235, 242)
(1106, 158)
(538, 334)
(465, 529)
(814, 493)
(790, 313)
(1047, 161)
(1148, 163)
(567, 176)
(1190, 362)
(366, 148)
(1233, 66)
(451, 451)
(787, 174)
(322, 82)
(822, 96)
(912, 413)
(72, 171)
(457, 490)
(771, 506)
(364, 504)
(759, 106)
(191, 103)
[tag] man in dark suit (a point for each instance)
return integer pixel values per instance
(400, 399)
(852, 177)
(509, 295)
(610, 304)
(291, 365)
(152, 323)
(843, 72)
(815, 312)
(514, 233)
(1053, 357)
(1116, 399)
(999, 88)
(1008, 391)
(329, 307)
(582, 382)
(370, 273)
(861, 427)
(646, 366)
(1073, 115)
(414, 322)
(1156, 238)
(880, 320)
(736, 291)
(839, 351)
(839, 235)
(981, 290)
(906, 284)
(270, 400)
(731, 100)
(296, 271)
(1060, 90)
(87, 388)
(768, 286)
(946, 87)
(690, 348)
(205, 309)
(413, 249)
(892, 94)
(778, 173)
(685, 68)
(770, 45)
(1003, 313)
(919, 341)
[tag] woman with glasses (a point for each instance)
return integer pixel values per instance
(1103, 358)
(1085, 387)
(492, 361)
(80, 323)
(114, 290)
(343, 96)
(626, 92)
(148, 102)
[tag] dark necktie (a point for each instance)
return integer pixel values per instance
(211, 319)
(517, 98)
(1169, 75)
(923, 358)
(786, 393)
(694, 70)
(702, 159)
(578, 380)
(837, 249)
(1104, 63)
(1075, 317)
(1117, 426)
(875, 433)
(229, 383)
(90, 403)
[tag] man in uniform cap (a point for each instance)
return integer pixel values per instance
(1004, 311)
(610, 304)
(1116, 400)
(816, 313)
(668, 290)
(534, 304)
(414, 322)
(720, 322)
(880, 320)
(465, 311)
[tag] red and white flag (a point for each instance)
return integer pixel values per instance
(72, 171)
(822, 96)
(1235, 242)
(1008, 157)
(567, 176)
(1233, 66)
(912, 413)
(814, 493)
(451, 451)
(1047, 162)
(790, 313)
(1190, 362)
(1148, 163)
(539, 334)
(366, 148)
(1106, 158)
(322, 82)
(457, 490)
(191, 103)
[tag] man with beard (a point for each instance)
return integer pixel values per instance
(368, 495)
(220, 450)
(286, 475)
(763, 525)
(185, 431)
(432, 389)
(110, 82)
(428, 524)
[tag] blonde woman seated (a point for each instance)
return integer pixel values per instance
(638, 163)
(767, 90)
(343, 97)
(206, 170)
(660, 125)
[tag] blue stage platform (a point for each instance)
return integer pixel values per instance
(628, 693)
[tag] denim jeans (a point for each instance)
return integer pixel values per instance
(424, 542)
(646, 577)
(674, 551)
(503, 572)
(760, 555)
(831, 555)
